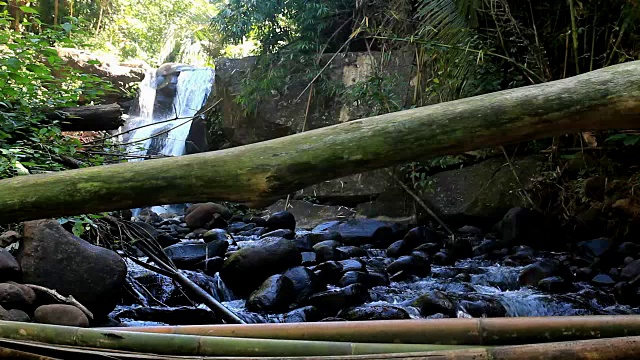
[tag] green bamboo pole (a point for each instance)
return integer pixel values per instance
(258, 173)
(6, 353)
(191, 345)
(521, 330)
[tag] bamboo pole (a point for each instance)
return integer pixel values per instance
(6, 353)
(479, 331)
(191, 345)
(257, 174)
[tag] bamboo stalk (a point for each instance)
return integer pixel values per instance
(482, 331)
(6, 353)
(191, 345)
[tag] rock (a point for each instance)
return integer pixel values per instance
(483, 308)
(328, 250)
(9, 237)
(148, 216)
(257, 231)
(626, 294)
(594, 187)
(434, 302)
(238, 227)
(305, 282)
(410, 264)
(398, 249)
(247, 268)
(210, 266)
(554, 284)
(429, 248)
(60, 314)
(203, 215)
(166, 240)
(522, 226)
(360, 232)
(460, 248)
(215, 235)
(631, 270)
(309, 215)
(335, 299)
(368, 280)
(421, 235)
(443, 257)
(485, 247)
(471, 230)
(274, 295)
(303, 314)
(281, 220)
(603, 280)
(483, 192)
(145, 229)
(595, 248)
(181, 315)
(374, 312)
(308, 258)
(12, 297)
(533, 273)
(329, 271)
(353, 265)
(352, 251)
(283, 233)
(186, 256)
(9, 268)
(29, 295)
(18, 315)
(54, 258)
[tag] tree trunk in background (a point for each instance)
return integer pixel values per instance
(89, 118)
(258, 173)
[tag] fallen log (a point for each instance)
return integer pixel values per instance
(255, 174)
(89, 118)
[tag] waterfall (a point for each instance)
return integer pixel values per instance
(161, 119)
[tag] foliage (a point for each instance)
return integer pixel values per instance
(37, 80)
(81, 224)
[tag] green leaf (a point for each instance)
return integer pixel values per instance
(78, 228)
(67, 27)
(28, 10)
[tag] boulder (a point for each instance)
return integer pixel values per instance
(247, 268)
(532, 274)
(434, 302)
(203, 215)
(305, 282)
(309, 215)
(410, 264)
(336, 299)
(9, 267)
(522, 226)
(274, 295)
(303, 314)
(187, 255)
(374, 312)
(328, 250)
(368, 280)
(281, 220)
(481, 193)
(60, 314)
(12, 297)
(631, 270)
(359, 232)
(9, 237)
(50, 256)
(595, 248)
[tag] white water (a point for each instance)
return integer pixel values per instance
(193, 88)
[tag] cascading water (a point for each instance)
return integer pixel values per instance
(161, 121)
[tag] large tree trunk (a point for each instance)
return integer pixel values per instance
(604, 99)
(89, 118)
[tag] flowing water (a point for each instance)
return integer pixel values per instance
(164, 133)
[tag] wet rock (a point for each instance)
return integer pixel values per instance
(305, 282)
(533, 273)
(434, 302)
(215, 235)
(471, 230)
(60, 314)
(186, 256)
(9, 237)
(50, 256)
(335, 299)
(247, 268)
(283, 233)
(594, 248)
(18, 315)
(308, 258)
(182, 315)
(329, 271)
(626, 294)
(429, 248)
(352, 251)
(328, 250)
(166, 240)
(12, 297)
(485, 247)
(421, 235)
(631, 270)
(603, 280)
(210, 266)
(9, 268)
(148, 216)
(274, 295)
(196, 234)
(410, 264)
(443, 258)
(522, 226)
(203, 215)
(256, 231)
(368, 280)
(303, 314)
(359, 232)
(281, 220)
(352, 265)
(554, 284)
(460, 248)
(374, 312)
(483, 308)
(628, 260)
(398, 249)
(309, 215)
(239, 227)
